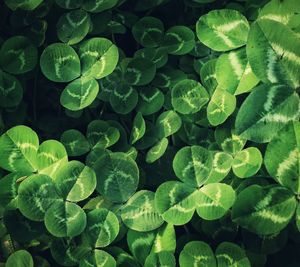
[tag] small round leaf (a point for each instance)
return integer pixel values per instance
(98, 57)
(197, 253)
(178, 40)
(19, 146)
(139, 213)
(223, 30)
(176, 202)
(75, 143)
(60, 63)
(148, 31)
(65, 219)
(247, 162)
(20, 258)
(18, 55)
(102, 227)
(157, 151)
(140, 71)
(11, 90)
(36, 194)
(231, 255)
(98, 258)
(79, 94)
(192, 165)
(73, 26)
(220, 107)
(188, 96)
(168, 123)
(215, 200)
(117, 176)
(75, 181)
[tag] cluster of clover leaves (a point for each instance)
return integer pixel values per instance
(149, 133)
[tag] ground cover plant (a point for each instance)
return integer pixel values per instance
(149, 133)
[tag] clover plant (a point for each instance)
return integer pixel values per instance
(149, 133)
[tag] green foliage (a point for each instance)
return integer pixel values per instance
(20, 258)
(223, 30)
(149, 133)
(18, 55)
(60, 63)
(197, 252)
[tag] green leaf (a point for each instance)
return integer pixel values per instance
(101, 135)
(19, 146)
(178, 40)
(11, 90)
(98, 258)
(95, 6)
(20, 258)
(139, 71)
(220, 107)
(215, 200)
(176, 202)
(73, 26)
(157, 151)
(117, 176)
(139, 213)
(265, 111)
(231, 255)
(25, 5)
(264, 210)
(18, 55)
(79, 94)
(285, 12)
(98, 56)
(247, 162)
(192, 165)
(141, 244)
(138, 128)
(65, 219)
(208, 75)
(75, 181)
(168, 123)
(123, 99)
(97, 203)
(60, 63)
(156, 55)
(102, 227)
(168, 77)
(9, 187)
(223, 30)
(282, 157)
(51, 156)
(234, 73)
(150, 100)
(221, 165)
(36, 194)
(163, 258)
(197, 253)
(148, 31)
(227, 138)
(188, 96)
(75, 142)
(274, 55)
